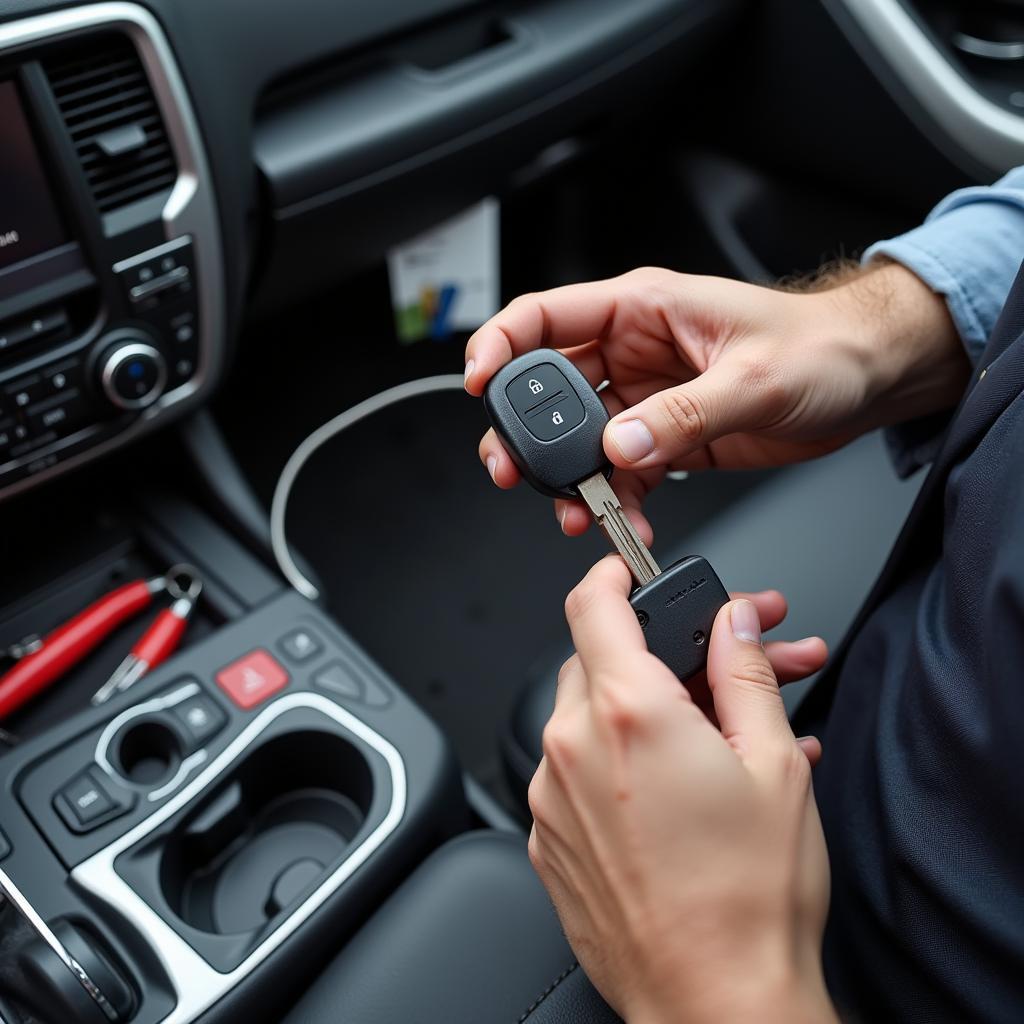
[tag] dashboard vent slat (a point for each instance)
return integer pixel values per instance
(100, 90)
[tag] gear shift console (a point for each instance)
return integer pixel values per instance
(214, 817)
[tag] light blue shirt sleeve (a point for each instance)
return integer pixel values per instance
(968, 250)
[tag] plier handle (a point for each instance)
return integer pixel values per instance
(69, 643)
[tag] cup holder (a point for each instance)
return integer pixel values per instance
(274, 829)
(147, 752)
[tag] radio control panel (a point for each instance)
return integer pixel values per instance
(111, 276)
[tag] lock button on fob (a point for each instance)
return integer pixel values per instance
(546, 402)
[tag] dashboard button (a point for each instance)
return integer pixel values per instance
(252, 679)
(61, 415)
(85, 804)
(337, 680)
(201, 718)
(300, 645)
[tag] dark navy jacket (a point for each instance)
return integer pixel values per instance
(921, 787)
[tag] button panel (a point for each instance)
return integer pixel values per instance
(47, 324)
(546, 402)
(162, 275)
(41, 408)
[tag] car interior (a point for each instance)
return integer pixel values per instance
(315, 809)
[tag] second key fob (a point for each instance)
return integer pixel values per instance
(677, 610)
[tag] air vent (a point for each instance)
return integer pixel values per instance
(113, 120)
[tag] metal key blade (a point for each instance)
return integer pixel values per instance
(607, 511)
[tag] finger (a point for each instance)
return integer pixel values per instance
(604, 626)
(497, 461)
(674, 423)
(575, 519)
(746, 694)
(571, 687)
(811, 746)
(562, 317)
(797, 660)
(771, 605)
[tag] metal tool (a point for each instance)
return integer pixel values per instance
(184, 585)
(551, 421)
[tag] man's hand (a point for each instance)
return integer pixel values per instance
(791, 660)
(687, 865)
(710, 372)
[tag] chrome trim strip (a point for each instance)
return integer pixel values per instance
(981, 128)
(197, 985)
(186, 766)
(190, 209)
(151, 254)
(168, 700)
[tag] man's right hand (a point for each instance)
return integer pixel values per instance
(707, 372)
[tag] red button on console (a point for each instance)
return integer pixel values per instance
(252, 679)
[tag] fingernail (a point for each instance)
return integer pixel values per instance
(492, 464)
(470, 367)
(800, 739)
(632, 438)
(746, 624)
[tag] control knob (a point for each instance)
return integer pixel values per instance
(132, 373)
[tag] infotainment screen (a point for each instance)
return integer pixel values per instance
(29, 222)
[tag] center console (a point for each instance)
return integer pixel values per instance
(111, 276)
(198, 843)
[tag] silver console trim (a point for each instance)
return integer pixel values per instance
(982, 129)
(190, 209)
(168, 700)
(151, 254)
(197, 985)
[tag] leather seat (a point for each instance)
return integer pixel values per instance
(819, 532)
(469, 938)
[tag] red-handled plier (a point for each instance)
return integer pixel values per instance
(70, 643)
(160, 640)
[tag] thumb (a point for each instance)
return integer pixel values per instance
(748, 703)
(677, 421)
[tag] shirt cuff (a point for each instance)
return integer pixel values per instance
(969, 251)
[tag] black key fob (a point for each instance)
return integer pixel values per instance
(677, 610)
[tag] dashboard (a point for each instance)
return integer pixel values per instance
(173, 166)
(111, 316)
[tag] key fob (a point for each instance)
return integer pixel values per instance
(550, 420)
(676, 611)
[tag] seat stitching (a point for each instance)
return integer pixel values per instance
(551, 988)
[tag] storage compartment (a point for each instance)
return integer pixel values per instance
(273, 832)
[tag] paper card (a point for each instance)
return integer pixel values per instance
(448, 278)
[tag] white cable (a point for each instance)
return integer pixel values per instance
(319, 437)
